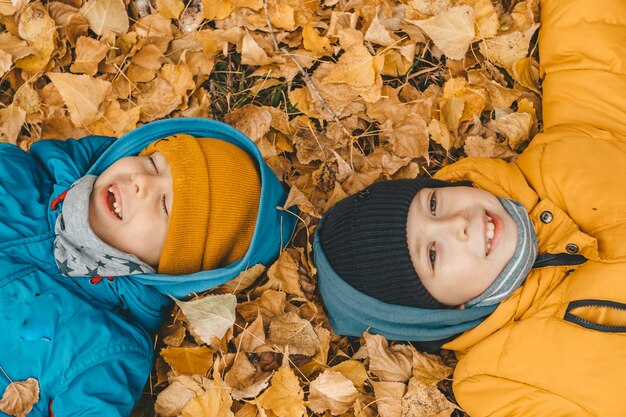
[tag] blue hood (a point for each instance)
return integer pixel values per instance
(146, 296)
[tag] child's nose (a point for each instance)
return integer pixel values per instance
(141, 183)
(458, 225)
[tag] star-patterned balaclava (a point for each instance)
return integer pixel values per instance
(78, 251)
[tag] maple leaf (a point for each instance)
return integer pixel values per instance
(19, 397)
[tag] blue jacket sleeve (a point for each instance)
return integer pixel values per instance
(106, 389)
(69, 159)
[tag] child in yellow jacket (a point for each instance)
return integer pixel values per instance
(518, 267)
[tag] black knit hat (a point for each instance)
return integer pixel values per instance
(364, 239)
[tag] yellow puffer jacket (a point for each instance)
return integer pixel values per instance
(557, 345)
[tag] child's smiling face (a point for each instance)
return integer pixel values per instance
(130, 205)
(460, 239)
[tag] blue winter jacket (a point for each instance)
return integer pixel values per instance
(88, 341)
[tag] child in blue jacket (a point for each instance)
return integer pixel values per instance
(97, 233)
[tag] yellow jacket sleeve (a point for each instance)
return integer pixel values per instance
(582, 47)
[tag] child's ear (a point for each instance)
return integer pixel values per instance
(461, 307)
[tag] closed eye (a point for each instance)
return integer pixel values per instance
(156, 170)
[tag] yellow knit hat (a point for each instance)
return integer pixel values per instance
(216, 199)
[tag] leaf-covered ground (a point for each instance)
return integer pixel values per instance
(337, 94)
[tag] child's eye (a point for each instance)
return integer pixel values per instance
(156, 170)
(432, 255)
(164, 206)
(432, 203)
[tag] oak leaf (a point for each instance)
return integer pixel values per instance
(83, 95)
(452, 31)
(331, 391)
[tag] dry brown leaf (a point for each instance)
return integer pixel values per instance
(430, 7)
(14, 46)
(285, 271)
(106, 15)
(116, 121)
(215, 402)
(19, 397)
(253, 121)
(296, 333)
(6, 61)
(27, 99)
(353, 370)
(241, 374)
(171, 401)
(486, 20)
(284, 397)
(389, 363)
(440, 134)
(248, 410)
(83, 95)
(425, 401)
(89, 53)
(356, 67)
(429, 369)
(11, 121)
(38, 29)
(526, 72)
(156, 99)
(331, 391)
(378, 34)
(189, 360)
(505, 50)
(244, 280)
(515, 127)
(297, 198)
(216, 9)
(452, 31)
(173, 335)
(170, 9)
(251, 337)
(210, 316)
(270, 304)
(389, 398)
(477, 146)
(180, 78)
(312, 41)
(253, 54)
(145, 64)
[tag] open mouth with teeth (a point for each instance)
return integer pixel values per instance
(489, 234)
(113, 205)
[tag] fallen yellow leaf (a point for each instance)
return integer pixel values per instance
(83, 95)
(19, 397)
(284, 397)
(189, 360)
